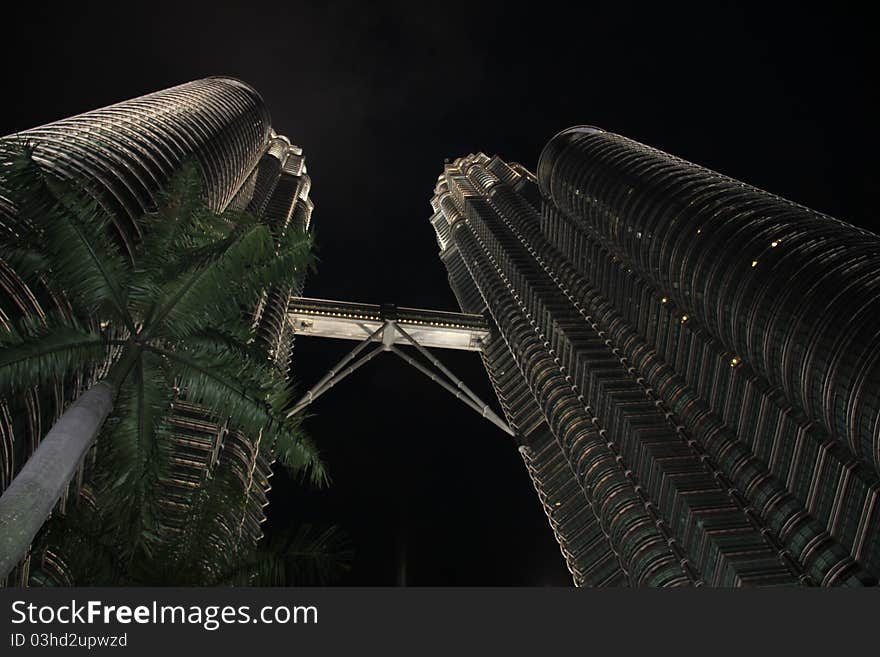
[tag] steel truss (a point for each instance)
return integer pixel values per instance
(388, 334)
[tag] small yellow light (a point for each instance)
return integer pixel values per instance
(754, 263)
(684, 318)
(734, 361)
(664, 300)
(558, 504)
(774, 243)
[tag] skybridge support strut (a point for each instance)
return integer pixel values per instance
(336, 375)
(382, 326)
(472, 401)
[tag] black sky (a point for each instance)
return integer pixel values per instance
(378, 95)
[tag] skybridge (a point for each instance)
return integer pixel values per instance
(387, 328)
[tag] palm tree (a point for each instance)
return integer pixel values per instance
(167, 324)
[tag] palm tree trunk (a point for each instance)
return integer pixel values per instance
(30, 498)
(28, 501)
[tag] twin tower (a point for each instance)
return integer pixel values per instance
(690, 366)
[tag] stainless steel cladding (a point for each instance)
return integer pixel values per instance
(129, 150)
(690, 363)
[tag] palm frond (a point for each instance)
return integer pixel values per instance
(307, 555)
(69, 229)
(29, 263)
(292, 259)
(136, 452)
(234, 337)
(251, 394)
(315, 554)
(85, 546)
(180, 225)
(37, 352)
(179, 211)
(248, 261)
(212, 288)
(300, 456)
(224, 383)
(209, 543)
(257, 569)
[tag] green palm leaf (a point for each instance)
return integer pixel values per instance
(137, 455)
(315, 554)
(70, 230)
(306, 555)
(252, 397)
(298, 453)
(37, 352)
(219, 381)
(82, 542)
(212, 288)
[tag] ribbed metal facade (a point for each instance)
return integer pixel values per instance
(130, 149)
(126, 153)
(689, 363)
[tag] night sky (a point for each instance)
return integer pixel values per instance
(430, 493)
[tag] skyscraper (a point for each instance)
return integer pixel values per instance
(125, 154)
(691, 365)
